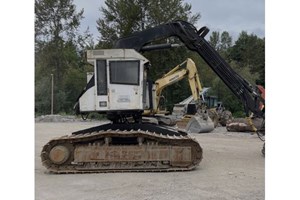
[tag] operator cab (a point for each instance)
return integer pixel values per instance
(118, 86)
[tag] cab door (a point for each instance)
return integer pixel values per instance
(125, 90)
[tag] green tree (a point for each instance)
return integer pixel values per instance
(214, 40)
(221, 42)
(123, 17)
(56, 19)
(249, 51)
(226, 41)
(56, 22)
(57, 51)
(43, 95)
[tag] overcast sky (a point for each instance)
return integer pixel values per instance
(233, 16)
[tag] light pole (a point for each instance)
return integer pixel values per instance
(52, 94)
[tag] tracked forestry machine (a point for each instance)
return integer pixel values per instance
(119, 88)
(135, 140)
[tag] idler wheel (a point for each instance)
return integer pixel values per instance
(59, 154)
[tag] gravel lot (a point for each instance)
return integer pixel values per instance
(232, 168)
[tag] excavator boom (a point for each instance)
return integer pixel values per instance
(194, 40)
(188, 70)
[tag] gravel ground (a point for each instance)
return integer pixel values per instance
(232, 168)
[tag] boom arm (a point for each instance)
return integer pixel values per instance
(186, 69)
(194, 40)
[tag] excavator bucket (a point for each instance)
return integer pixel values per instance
(196, 124)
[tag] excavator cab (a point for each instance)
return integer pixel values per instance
(118, 87)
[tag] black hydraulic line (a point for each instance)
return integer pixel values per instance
(90, 84)
(158, 47)
(150, 85)
(261, 132)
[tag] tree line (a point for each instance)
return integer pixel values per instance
(60, 47)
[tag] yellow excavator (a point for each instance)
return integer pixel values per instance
(194, 117)
(186, 69)
(196, 122)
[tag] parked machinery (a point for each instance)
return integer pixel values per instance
(216, 111)
(197, 122)
(119, 89)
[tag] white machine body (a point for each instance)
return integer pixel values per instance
(119, 81)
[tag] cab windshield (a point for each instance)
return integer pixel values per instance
(124, 72)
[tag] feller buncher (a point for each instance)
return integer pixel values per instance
(130, 142)
(119, 88)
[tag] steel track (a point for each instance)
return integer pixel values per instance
(73, 141)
